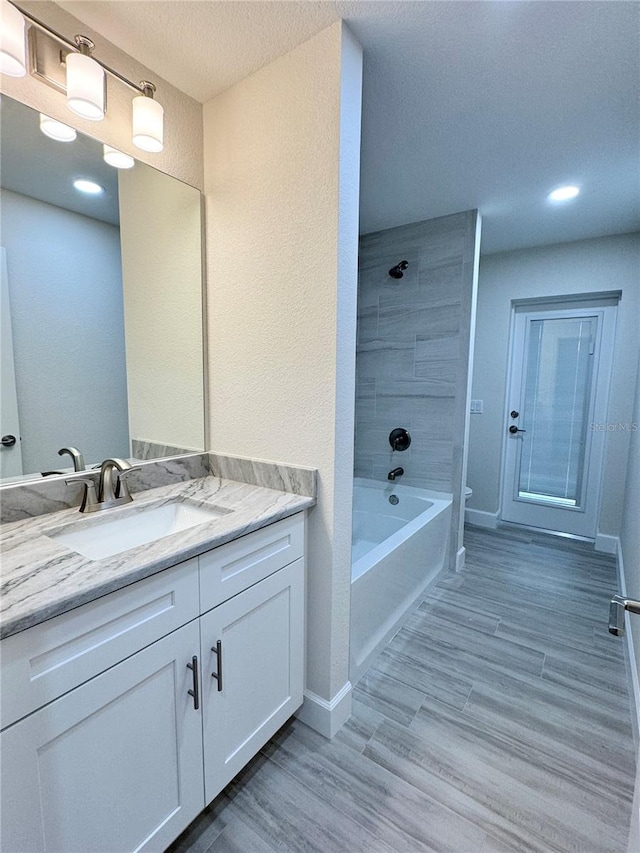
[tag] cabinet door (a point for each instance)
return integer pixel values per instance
(115, 765)
(261, 638)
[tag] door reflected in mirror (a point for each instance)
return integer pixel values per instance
(102, 323)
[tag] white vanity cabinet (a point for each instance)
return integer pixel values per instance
(115, 744)
(115, 765)
(252, 654)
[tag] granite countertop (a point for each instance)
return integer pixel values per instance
(42, 578)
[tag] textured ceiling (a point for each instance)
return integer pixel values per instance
(466, 104)
(204, 46)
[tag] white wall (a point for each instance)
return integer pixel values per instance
(65, 290)
(282, 179)
(630, 528)
(182, 155)
(630, 552)
(586, 266)
(162, 307)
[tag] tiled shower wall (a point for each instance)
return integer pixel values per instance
(413, 352)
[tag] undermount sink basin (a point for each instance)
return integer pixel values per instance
(104, 537)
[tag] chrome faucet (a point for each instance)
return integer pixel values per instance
(397, 472)
(112, 487)
(74, 453)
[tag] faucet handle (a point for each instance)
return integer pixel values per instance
(90, 496)
(122, 487)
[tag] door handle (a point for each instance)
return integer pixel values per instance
(513, 429)
(193, 666)
(217, 649)
(8, 440)
(617, 608)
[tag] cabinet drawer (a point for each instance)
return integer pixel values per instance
(45, 661)
(229, 569)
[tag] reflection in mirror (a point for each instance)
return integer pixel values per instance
(101, 305)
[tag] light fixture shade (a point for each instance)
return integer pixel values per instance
(86, 186)
(85, 86)
(117, 159)
(56, 129)
(148, 124)
(564, 193)
(13, 51)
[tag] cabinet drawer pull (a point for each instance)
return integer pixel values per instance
(218, 675)
(193, 666)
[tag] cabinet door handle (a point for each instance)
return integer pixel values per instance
(218, 675)
(193, 666)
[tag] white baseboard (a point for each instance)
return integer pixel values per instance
(460, 556)
(326, 717)
(607, 544)
(631, 658)
(481, 518)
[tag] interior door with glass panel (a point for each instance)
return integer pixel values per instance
(556, 417)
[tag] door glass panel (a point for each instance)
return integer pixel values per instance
(557, 393)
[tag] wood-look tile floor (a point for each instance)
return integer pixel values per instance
(497, 720)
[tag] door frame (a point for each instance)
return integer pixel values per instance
(11, 457)
(598, 303)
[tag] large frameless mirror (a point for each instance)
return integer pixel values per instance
(102, 325)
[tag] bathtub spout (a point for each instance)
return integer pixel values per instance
(397, 472)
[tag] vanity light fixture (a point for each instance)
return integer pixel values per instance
(56, 129)
(89, 187)
(148, 120)
(13, 49)
(83, 82)
(564, 193)
(116, 158)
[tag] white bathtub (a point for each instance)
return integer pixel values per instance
(397, 553)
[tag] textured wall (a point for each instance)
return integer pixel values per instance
(66, 309)
(587, 266)
(414, 339)
(281, 168)
(162, 307)
(182, 155)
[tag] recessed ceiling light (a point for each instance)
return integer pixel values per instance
(56, 129)
(563, 193)
(117, 159)
(87, 186)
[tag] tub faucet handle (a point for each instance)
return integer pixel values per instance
(399, 439)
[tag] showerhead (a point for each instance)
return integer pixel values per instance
(397, 271)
